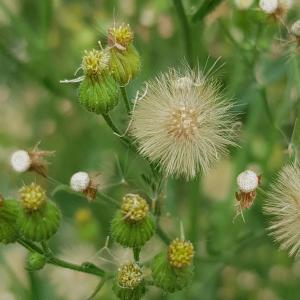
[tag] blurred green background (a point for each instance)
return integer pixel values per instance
(42, 42)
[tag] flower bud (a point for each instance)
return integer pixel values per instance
(35, 261)
(9, 210)
(132, 225)
(129, 283)
(173, 271)
(39, 219)
(124, 59)
(98, 92)
(23, 161)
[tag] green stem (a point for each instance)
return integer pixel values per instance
(186, 32)
(110, 123)
(163, 236)
(125, 98)
(97, 289)
(84, 268)
(136, 254)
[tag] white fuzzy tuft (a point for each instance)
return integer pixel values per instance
(283, 205)
(247, 181)
(295, 29)
(80, 181)
(183, 123)
(20, 161)
(269, 6)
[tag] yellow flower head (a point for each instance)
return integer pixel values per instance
(129, 275)
(134, 208)
(121, 35)
(32, 197)
(94, 62)
(180, 253)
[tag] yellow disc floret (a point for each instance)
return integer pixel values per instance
(32, 197)
(134, 208)
(180, 253)
(94, 62)
(121, 35)
(129, 275)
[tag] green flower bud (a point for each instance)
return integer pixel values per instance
(8, 215)
(132, 225)
(124, 60)
(173, 271)
(35, 261)
(39, 219)
(98, 92)
(129, 283)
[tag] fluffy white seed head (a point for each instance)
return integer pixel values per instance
(20, 161)
(80, 181)
(269, 6)
(295, 29)
(183, 123)
(283, 205)
(247, 181)
(243, 4)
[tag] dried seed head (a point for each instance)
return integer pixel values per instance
(129, 275)
(295, 29)
(134, 208)
(182, 123)
(247, 181)
(283, 205)
(180, 253)
(80, 181)
(94, 62)
(20, 161)
(121, 35)
(32, 197)
(269, 6)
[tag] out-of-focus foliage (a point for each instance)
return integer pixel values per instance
(42, 42)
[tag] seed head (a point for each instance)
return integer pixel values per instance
(94, 62)
(32, 197)
(295, 29)
(180, 253)
(269, 6)
(129, 275)
(134, 208)
(247, 181)
(20, 161)
(80, 181)
(283, 205)
(121, 35)
(182, 123)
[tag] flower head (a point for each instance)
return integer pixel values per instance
(275, 8)
(283, 205)
(129, 275)
(182, 124)
(180, 253)
(120, 35)
(134, 208)
(32, 197)
(20, 161)
(80, 181)
(247, 181)
(269, 6)
(94, 62)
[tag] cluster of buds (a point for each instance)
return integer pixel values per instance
(247, 183)
(34, 160)
(83, 182)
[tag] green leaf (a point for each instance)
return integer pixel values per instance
(205, 8)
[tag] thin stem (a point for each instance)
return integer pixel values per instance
(88, 268)
(125, 98)
(186, 32)
(110, 123)
(163, 236)
(136, 254)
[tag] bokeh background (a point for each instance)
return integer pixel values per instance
(42, 42)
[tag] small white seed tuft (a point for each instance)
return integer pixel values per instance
(269, 6)
(247, 181)
(295, 29)
(80, 181)
(20, 161)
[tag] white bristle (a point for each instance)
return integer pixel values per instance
(247, 181)
(80, 181)
(20, 161)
